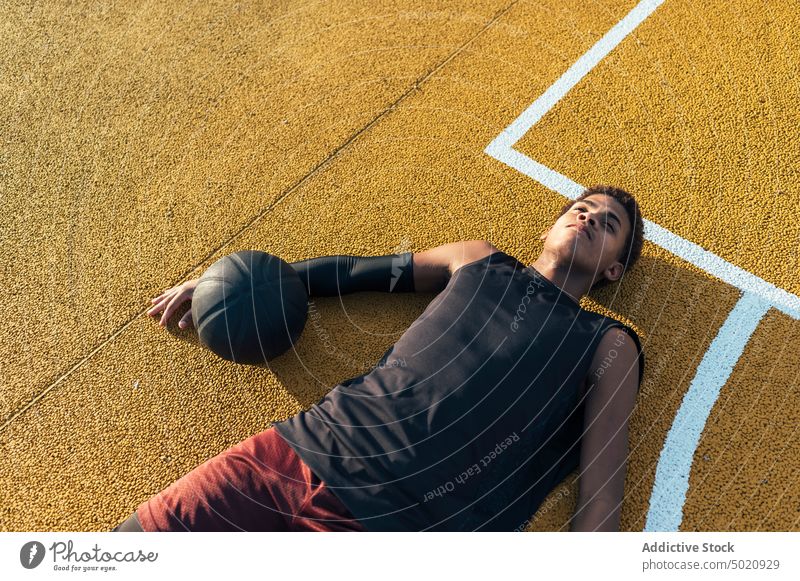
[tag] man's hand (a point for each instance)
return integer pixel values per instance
(171, 299)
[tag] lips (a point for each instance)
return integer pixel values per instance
(583, 230)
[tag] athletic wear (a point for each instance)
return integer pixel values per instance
(338, 275)
(471, 418)
(258, 485)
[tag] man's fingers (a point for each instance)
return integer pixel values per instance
(166, 293)
(177, 300)
(186, 321)
(166, 314)
(157, 308)
(159, 296)
(167, 302)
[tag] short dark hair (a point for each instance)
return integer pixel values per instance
(632, 248)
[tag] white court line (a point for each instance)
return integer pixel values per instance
(574, 74)
(672, 474)
(669, 490)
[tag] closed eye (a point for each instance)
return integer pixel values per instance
(606, 223)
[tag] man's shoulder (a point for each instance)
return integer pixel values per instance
(607, 327)
(471, 251)
(618, 344)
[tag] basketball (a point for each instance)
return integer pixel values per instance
(249, 307)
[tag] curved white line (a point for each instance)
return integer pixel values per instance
(675, 464)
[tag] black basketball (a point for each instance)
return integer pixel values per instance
(249, 307)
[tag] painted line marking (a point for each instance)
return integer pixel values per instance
(574, 74)
(675, 463)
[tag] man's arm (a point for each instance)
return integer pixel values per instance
(614, 383)
(426, 271)
(343, 274)
(433, 268)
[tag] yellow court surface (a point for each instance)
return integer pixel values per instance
(140, 143)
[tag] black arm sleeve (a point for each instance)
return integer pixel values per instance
(339, 275)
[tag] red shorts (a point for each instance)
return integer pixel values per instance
(260, 484)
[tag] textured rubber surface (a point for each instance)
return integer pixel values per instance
(143, 144)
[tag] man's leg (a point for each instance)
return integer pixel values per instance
(248, 487)
(258, 485)
(320, 510)
(129, 525)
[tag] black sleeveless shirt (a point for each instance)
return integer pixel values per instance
(471, 418)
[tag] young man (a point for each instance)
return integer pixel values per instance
(492, 397)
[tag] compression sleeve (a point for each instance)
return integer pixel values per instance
(339, 275)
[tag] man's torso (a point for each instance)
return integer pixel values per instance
(471, 417)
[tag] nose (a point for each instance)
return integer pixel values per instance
(587, 217)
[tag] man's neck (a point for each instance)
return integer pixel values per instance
(572, 281)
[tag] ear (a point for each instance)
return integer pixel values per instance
(614, 272)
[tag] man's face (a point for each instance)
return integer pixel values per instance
(605, 226)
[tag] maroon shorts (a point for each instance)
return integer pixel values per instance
(259, 484)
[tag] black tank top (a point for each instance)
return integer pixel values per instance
(471, 418)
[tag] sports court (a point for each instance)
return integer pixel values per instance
(141, 143)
